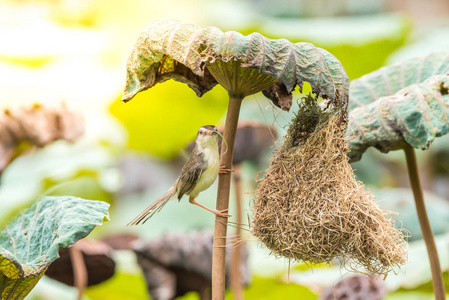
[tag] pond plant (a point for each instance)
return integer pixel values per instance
(35, 125)
(31, 241)
(402, 107)
(243, 65)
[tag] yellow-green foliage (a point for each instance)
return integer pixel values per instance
(120, 286)
(164, 119)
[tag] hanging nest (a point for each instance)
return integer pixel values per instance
(309, 206)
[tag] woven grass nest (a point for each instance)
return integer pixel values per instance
(309, 206)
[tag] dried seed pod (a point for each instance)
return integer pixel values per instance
(120, 241)
(179, 263)
(356, 287)
(97, 257)
(35, 125)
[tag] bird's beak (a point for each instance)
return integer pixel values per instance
(211, 132)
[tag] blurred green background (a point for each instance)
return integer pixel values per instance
(75, 51)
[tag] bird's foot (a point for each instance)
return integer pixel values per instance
(221, 213)
(223, 170)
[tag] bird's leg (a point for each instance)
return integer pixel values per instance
(222, 170)
(221, 213)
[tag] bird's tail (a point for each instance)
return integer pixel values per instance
(155, 207)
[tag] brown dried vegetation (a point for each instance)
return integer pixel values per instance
(309, 206)
(36, 125)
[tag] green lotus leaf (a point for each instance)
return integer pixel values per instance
(390, 79)
(169, 49)
(30, 243)
(361, 43)
(415, 115)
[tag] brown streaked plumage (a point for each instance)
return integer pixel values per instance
(197, 175)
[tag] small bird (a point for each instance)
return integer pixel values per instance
(197, 175)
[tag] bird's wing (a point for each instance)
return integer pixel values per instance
(191, 173)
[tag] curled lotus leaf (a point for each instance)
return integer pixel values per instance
(30, 243)
(415, 115)
(389, 80)
(169, 49)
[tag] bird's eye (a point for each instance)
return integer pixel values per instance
(143, 79)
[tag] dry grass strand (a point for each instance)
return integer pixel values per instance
(309, 206)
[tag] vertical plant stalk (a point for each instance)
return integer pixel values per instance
(79, 270)
(437, 275)
(236, 275)
(224, 185)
